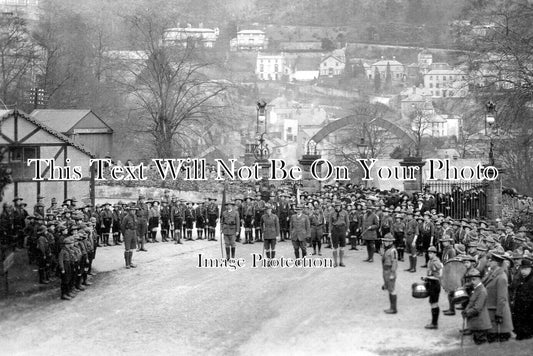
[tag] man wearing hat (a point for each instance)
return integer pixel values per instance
(53, 206)
(411, 237)
(497, 286)
(522, 308)
(177, 213)
(300, 231)
(339, 224)
(38, 208)
(129, 228)
(270, 227)
(316, 219)
(19, 220)
(44, 254)
(434, 274)
(212, 218)
(117, 217)
(259, 208)
(448, 252)
(106, 218)
(64, 263)
(230, 223)
(398, 231)
(369, 226)
(248, 212)
(284, 215)
(476, 312)
(142, 222)
(165, 219)
(389, 262)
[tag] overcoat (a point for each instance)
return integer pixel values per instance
(498, 300)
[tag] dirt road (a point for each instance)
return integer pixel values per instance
(169, 306)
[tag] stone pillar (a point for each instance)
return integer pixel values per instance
(412, 186)
(494, 197)
(309, 183)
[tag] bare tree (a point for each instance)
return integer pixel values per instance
(419, 119)
(174, 98)
(17, 54)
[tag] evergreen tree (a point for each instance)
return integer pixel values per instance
(377, 80)
(388, 78)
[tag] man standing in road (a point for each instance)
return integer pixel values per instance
(389, 261)
(300, 230)
(230, 225)
(434, 274)
(129, 229)
(370, 224)
(339, 223)
(270, 227)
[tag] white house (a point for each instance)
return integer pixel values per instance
(206, 36)
(446, 83)
(333, 64)
(270, 66)
(251, 40)
(306, 69)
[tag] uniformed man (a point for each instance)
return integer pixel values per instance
(212, 218)
(389, 261)
(142, 222)
(339, 224)
(411, 236)
(284, 216)
(38, 208)
(398, 231)
(53, 206)
(248, 212)
(448, 252)
(476, 312)
(300, 230)
(189, 220)
(165, 220)
(369, 227)
(116, 214)
(129, 229)
(316, 219)
(65, 267)
(230, 223)
(106, 216)
(434, 274)
(259, 209)
(270, 227)
(201, 218)
(177, 214)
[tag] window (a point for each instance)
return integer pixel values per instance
(276, 68)
(437, 85)
(18, 158)
(431, 85)
(437, 92)
(451, 77)
(261, 68)
(430, 77)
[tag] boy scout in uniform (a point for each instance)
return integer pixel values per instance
(212, 217)
(129, 230)
(389, 261)
(434, 273)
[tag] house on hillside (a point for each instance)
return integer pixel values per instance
(24, 138)
(270, 66)
(446, 83)
(81, 126)
(333, 64)
(252, 40)
(206, 37)
(397, 70)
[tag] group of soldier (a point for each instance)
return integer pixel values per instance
(496, 255)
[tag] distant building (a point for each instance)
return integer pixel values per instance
(251, 40)
(270, 66)
(306, 69)
(333, 64)
(397, 70)
(425, 59)
(446, 83)
(26, 9)
(81, 126)
(205, 36)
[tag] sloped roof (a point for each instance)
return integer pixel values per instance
(384, 63)
(62, 120)
(42, 126)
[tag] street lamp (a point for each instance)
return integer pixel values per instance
(490, 120)
(261, 150)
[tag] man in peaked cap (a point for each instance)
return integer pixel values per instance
(300, 231)
(230, 223)
(339, 223)
(476, 312)
(129, 227)
(522, 308)
(38, 208)
(434, 273)
(389, 262)
(212, 218)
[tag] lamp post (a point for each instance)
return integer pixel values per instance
(490, 120)
(261, 150)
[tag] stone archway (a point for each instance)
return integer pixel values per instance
(378, 115)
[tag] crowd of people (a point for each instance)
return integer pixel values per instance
(62, 240)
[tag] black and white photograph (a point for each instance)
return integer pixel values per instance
(266, 177)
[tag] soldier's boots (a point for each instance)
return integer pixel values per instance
(434, 319)
(126, 259)
(392, 309)
(414, 264)
(341, 256)
(65, 297)
(130, 256)
(451, 310)
(232, 252)
(334, 258)
(228, 253)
